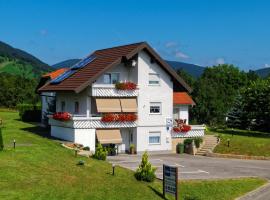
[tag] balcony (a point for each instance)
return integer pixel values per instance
(90, 122)
(196, 131)
(110, 91)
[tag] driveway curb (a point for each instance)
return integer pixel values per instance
(243, 157)
(255, 194)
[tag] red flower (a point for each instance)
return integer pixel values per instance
(119, 118)
(62, 116)
(126, 86)
(182, 128)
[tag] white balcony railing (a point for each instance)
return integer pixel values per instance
(110, 91)
(196, 131)
(91, 122)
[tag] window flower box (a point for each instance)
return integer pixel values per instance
(126, 86)
(62, 116)
(183, 128)
(119, 118)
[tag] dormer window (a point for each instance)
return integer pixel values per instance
(111, 78)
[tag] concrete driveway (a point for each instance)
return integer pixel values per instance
(199, 167)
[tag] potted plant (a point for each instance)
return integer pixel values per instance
(132, 149)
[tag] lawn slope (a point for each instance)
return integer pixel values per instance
(40, 168)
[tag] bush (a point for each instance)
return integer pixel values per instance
(198, 141)
(145, 172)
(29, 112)
(100, 153)
(1, 141)
(188, 141)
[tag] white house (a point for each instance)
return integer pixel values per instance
(88, 91)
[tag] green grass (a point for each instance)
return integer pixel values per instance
(40, 168)
(15, 68)
(243, 142)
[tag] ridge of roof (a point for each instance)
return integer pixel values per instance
(105, 59)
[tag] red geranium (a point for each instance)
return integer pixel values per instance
(126, 86)
(119, 118)
(62, 116)
(182, 128)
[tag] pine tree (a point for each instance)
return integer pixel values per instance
(235, 117)
(145, 172)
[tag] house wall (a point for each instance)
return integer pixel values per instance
(181, 112)
(46, 99)
(70, 99)
(162, 93)
(86, 137)
(126, 74)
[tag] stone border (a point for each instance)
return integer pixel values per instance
(253, 193)
(244, 157)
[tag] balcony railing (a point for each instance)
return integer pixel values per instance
(196, 131)
(90, 122)
(110, 91)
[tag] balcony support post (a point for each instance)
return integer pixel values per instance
(88, 106)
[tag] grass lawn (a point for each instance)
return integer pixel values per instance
(40, 168)
(243, 142)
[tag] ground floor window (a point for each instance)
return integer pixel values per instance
(154, 137)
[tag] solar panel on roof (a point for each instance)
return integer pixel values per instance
(83, 62)
(63, 76)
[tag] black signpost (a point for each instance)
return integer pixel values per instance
(170, 180)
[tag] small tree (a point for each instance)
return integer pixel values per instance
(236, 114)
(145, 172)
(1, 140)
(100, 153)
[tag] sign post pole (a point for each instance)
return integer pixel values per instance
(176, 184)
(164, 182)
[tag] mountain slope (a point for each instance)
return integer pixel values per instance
(194, 70)
(65, 64)
(19, 62)
(264, 72)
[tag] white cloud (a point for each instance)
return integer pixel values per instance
(220, 61)
(171, 44)
(266, 65)
(179, 54)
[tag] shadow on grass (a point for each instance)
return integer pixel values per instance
(37, 130)
(157, 192)
(242, 133)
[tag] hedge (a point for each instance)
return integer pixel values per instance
(29, 112)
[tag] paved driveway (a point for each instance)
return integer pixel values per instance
(199, 167)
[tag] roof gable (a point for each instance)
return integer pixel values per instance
(106, 59)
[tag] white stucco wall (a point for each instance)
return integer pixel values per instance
(86, 137)
(126, 74)
(161, 93)
(70, 99)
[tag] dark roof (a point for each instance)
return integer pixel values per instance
(106, 59)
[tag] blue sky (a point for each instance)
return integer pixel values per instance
(203, 32)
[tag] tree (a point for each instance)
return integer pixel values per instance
(145, 172)
(187, 77)
(215, 92)
(236, 114)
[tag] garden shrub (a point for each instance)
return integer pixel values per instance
(145, 172)
(100, 153)
(188, 141)
(86, 148)
(29, 112)
(1, 141)
(198, 141)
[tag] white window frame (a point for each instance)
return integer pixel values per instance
(155, 104)
(149, 79)
(110, 74)
(154, 134)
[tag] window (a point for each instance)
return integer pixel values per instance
(63, 106)
(154, 137)
(155, 108)
(76, 107)
(153, 79)
(111, 78)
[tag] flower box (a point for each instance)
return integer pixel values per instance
(183, 128)
(126, 86)
(119, 118)
(62, 116)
